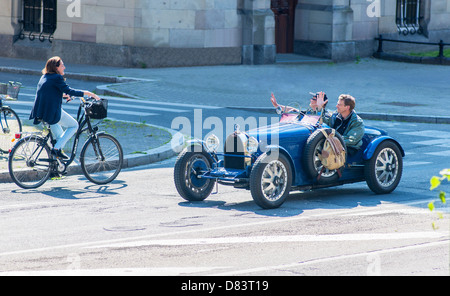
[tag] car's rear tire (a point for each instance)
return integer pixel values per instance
(311, 162)
(384, 170)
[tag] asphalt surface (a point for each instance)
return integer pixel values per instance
(139, 225)
(384, 90)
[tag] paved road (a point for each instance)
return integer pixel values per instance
(139, 225)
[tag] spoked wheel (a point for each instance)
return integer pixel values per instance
(312, 164)
(384, 170)
(30, 162)
(270, 180)
(101, 159)
(189, 167)
(10, 125)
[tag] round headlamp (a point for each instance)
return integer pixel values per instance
(252, 145)
(212, 143)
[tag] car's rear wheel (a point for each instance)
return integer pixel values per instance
(270, 180)
(312, 164)
(384, 170)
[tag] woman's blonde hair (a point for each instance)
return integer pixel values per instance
(51, 65)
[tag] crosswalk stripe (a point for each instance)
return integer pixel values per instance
(429, 134)
(143, 102)
(436, 142)
(117, 106)
(72, 106)
(148, 108)
(21, 111)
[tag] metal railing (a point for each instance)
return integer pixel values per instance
(441, 44)
(38, 20)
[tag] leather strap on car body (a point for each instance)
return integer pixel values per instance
(333, 152)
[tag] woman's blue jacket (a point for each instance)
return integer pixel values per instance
(48, 101)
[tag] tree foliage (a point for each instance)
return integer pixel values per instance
(435, 182)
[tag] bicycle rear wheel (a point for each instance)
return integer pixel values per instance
(101, 159)
(30, 162)
(10, 125)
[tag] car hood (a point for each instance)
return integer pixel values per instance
(282, 130)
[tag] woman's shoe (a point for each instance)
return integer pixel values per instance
(59, 154)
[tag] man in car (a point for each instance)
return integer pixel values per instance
(344, 120)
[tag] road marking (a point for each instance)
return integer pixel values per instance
(166, 271)
(393, 206)
(437, 142)
(429, 133)
(194, 106)
(117, 106)
(279, 239)
(415, 163)
(129, 101)
(440, 153)
(71, 109)
(133, 105)
(329, 259)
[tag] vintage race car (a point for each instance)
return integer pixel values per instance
(274, 160)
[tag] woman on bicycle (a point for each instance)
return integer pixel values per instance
(51, 89)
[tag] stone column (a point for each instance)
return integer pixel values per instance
(324, 28)
(258, 32)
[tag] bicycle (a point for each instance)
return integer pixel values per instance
(31, 162)
(10, 123)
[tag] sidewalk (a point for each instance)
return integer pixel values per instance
(384, 90)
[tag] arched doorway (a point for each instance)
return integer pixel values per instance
(284, 11)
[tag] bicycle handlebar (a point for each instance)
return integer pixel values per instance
(83, 101)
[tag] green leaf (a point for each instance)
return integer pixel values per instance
(435, 227)
(445, 172)
(435, 182)
(431, 206)
(442, 197)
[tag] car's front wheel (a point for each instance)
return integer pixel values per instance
(189, 167)
(270, 180)
(384, 170)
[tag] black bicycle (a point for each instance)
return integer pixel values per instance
(10, 123)
(31, 162)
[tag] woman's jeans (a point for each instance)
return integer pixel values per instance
(61, 136)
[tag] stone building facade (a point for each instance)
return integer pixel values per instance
(162, 33)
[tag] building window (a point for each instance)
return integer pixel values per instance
(39, 16)
(408, 17)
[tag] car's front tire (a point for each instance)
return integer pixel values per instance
(189, 166)
(270, 180)
(384, 170)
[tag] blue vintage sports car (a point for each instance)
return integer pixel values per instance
(274, 160)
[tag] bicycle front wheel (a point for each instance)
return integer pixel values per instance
(30, 162)
(10, 125)
(101, 159)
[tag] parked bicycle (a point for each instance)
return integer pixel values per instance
(10, 123)
(31, 162)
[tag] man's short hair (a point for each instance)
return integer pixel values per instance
(348, 101)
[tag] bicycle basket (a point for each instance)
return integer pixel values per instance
(3, 88)
(13, 89)
(97, 109)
